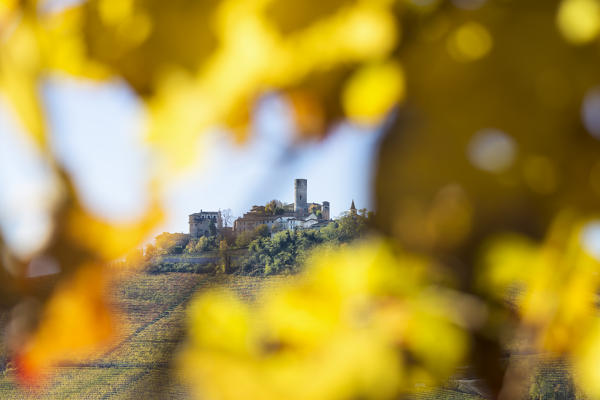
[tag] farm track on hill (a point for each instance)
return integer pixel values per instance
(152, 310)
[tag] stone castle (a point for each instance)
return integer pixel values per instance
(200, 223)
(297, 215)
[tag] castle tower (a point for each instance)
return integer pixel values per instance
(300, 195)
(325, 211)
(352, 208)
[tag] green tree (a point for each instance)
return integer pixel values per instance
(274, 207)
(351, 226)
(206, 243)
(224, 256)
(191, 246)
(262, 231)
(244, 238)
(150, 251)
(171, 243)
(283, 252)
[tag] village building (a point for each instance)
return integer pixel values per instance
(200, 223)
(251, 221)
(353, 208)
(297, 215)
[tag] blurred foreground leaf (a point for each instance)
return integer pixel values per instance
(357, 323)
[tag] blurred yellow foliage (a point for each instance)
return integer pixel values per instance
(254, 57)
(554, 289)
(64, 46)
(242, 54)
(372, 92)
(109, 241)
(470, 42)
(359, 322)
(579, 20)
(20, 66)
(555, 283)
(364, 322)
(587, 354)
(76, 323)
(6, 8)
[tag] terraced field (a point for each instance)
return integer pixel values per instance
(152, 307)
(139, 367)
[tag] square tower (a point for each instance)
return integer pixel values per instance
(325, 212)
(300, 196)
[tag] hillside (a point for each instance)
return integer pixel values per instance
(152, 308)
(139, 367)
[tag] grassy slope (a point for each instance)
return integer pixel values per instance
(152, 308)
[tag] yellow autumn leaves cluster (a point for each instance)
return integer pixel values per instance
(579, 20)
(76, 324)
(201, 65)
(366, 321)
(554, 289)
(363, 322)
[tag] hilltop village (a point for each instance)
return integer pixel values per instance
(268, 239)
(276, 216)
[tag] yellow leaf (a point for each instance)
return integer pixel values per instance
(470, 42)
(338, 330)
(76, 323)
(20, 68)
(579, 20)
(372, 92)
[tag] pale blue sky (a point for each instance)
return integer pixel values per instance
(97, 132)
